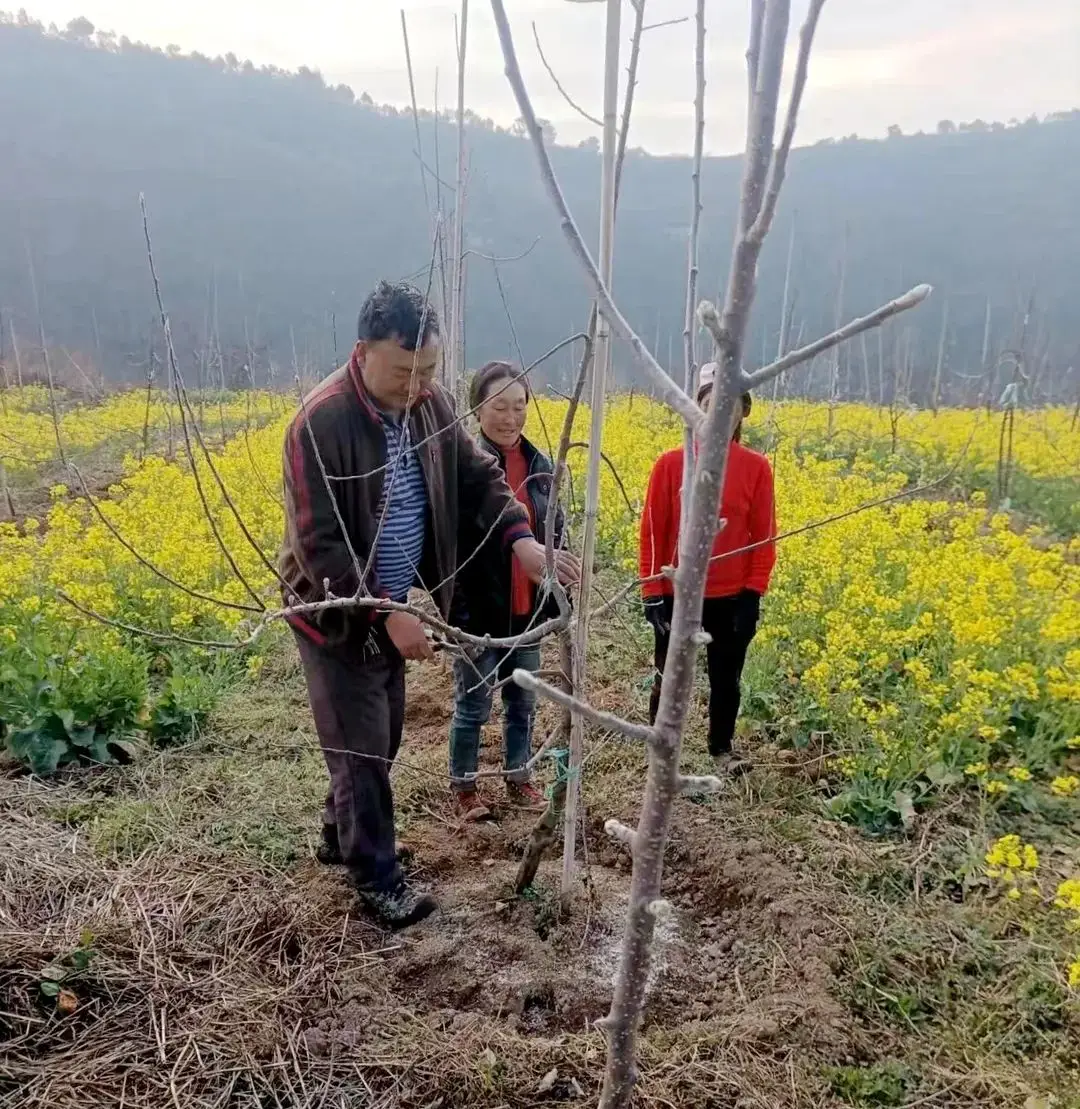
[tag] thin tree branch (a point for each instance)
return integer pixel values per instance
(778, 168)
(608, 720)
(690, 323)
(558, 84)
(911, 299)
(628, 99)
(175, 371)
(562, 344)
(92, 501)
(669, 392)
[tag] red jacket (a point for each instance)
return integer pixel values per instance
(748, 507)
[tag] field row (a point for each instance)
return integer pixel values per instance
(934, 644)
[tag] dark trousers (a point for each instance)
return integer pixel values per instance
(732, 629)
(357, 695)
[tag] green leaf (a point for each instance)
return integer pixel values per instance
(940, 775)
(50, 988)
(83, 736)
(99, 751)
(67, 718)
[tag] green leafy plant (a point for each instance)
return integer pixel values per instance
(55, 979)
(67, 707)
(189, 696)
(879, 1084)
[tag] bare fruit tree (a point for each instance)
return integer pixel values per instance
(765, 164)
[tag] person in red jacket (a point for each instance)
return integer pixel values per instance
(735, 584)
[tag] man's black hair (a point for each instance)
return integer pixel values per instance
(397, 310)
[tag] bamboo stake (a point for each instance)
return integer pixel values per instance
(600, 368)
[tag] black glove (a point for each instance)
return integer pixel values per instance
(658, 614)
(747, 611)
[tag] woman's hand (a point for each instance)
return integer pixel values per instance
(533, 559)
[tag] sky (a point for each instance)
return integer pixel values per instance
(876, 62)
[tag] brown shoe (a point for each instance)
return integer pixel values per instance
(525, 795)
(469, 807)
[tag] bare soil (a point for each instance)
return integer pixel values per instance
(230, 969)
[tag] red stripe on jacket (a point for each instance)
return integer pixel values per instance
(300, 481)
(749, 507)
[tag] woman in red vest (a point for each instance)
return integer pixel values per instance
(739, 573)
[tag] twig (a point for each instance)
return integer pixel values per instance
(690, 324)
(175, 371)
(558, 84)
(778, 168)
(92, 501)
(608, 720)
(669, 392)
(562, 344)
(910, 299)
(631, 85)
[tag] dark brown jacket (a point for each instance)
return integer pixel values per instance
(466, 490)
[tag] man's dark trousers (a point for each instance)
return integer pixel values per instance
(357, 695)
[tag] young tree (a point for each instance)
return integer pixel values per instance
(764, 170)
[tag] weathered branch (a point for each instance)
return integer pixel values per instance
(690, 323)
(558, 84)
(92, 501)
(628, 99)
(561, 345)
(911, 299)
(668, 391)
(608, 720)
(174, 370)
(778, 169)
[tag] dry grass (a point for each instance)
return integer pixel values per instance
(226, 969)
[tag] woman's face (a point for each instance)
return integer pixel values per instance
(502, 415)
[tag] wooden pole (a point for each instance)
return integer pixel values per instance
(600, 367)
(457, 260)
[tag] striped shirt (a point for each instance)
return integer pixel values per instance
(401, 542)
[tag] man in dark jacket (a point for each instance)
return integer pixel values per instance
(379, 478)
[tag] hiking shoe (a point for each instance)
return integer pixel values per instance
(397, 906)
(525, 795)
(731, 764)
(329, 851)
(469, 807)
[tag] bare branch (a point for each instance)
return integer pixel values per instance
(175, 372)
(561, 345)
(911, 299)
(558, 84)
(779, 163)
(669, 392)
(92, 501)
(665, 23)
(358, 568)
(690, 318)
(631, 86)
(148, 633)
(601, 719)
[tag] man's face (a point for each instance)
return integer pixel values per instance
(394, 376)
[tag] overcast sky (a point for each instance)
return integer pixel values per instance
(877, 62)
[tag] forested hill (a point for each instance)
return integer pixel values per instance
(276, 201)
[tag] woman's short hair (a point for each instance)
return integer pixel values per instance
(489, 375)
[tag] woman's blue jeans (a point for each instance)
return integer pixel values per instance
(474, 684)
